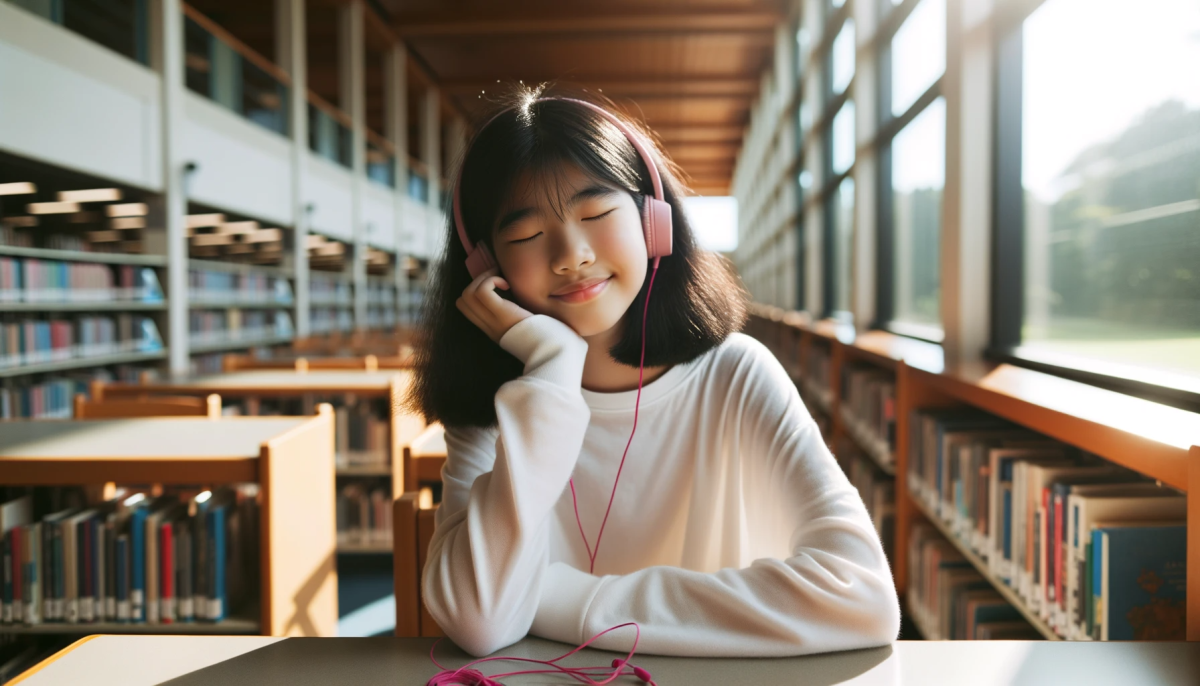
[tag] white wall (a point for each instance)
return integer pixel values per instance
(242, 167)
(328, 189)
(379, 215)
(73, 103)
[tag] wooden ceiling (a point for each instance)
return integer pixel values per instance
(689, 68)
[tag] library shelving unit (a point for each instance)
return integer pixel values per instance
(372, 425)
(331, 302)
(68, 315)
(288, 458)
(252, 302)
(1157, 441)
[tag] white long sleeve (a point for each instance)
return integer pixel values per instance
(733, 532)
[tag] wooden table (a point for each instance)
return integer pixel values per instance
(233, 661)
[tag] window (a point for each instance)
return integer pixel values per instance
(841, 210)
(918, 174)
(918, 54)
(842, 57)
(912, 140)
(843, 138)
(1106, 243)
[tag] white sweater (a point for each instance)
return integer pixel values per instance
(733, 532)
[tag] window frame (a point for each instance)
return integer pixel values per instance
(1007, 296)
(889, 126)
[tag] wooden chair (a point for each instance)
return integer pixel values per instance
(161, 406)
(412, 529)
(424, 457)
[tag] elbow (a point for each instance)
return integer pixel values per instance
(476, 638)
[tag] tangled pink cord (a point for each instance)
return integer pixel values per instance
(468, 676)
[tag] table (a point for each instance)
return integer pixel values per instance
(247, 660)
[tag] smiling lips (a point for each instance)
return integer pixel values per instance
(583, 291)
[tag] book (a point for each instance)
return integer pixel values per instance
(1140, 578)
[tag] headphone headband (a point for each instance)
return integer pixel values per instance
(641, 147)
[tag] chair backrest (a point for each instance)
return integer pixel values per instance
(412, 529)
(424, 457)
(153, 406)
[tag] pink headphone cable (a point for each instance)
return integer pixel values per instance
(468, 676)
(637, 403)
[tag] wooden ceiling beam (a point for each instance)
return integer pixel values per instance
(618, 87)
(691, 22)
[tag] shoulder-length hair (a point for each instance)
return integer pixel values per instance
(698, 298)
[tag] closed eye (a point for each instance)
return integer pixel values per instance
(526, 240)
(600, 216)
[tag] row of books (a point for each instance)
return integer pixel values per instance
(34, 341)
(50, 399)
(815, 383)
(950, 600)
(363, 436)
(877, 489)
(131, 559)
(1034, 509)
(381, 295)
(223, 288)
(327, 319)
(220, 326)
(381, 317)
(326, 290)
(52, 281)
(868, 410)
(364, 514)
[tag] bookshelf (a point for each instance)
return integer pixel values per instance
(1154, 440)
(290, 389)
(288, 458)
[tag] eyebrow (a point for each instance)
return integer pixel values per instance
(593, 191)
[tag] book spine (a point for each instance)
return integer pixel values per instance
(33, 569)
(87, 573)
(167, 575)
(152, 563)
(123, 613)
(137, 567)
(6, 594)
(216, 608)
(18, 585)
(60, 573)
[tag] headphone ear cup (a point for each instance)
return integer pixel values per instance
(657, 225)
(479, 260)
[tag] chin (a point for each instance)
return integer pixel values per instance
(590, 321)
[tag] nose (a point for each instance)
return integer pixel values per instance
(572, 251)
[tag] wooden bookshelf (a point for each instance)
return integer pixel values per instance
(97, 306)
(1158, 441)
(391, 385)
(84, 256)
(290, 458)
(81, 363)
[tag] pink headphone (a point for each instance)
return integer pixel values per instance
(656, 212)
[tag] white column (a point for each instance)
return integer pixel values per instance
(351, 55)
(431, 155)
(965, 258)
(168, 59)
(290, 54)
(395, 81)
(864, 284)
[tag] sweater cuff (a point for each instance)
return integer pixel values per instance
(567, 594)
(550, 349)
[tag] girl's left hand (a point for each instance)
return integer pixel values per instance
(486, 309)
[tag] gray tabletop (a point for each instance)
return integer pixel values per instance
(262, 661)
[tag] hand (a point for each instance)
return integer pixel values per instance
(486, 309)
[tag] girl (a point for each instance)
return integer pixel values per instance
(733, 532)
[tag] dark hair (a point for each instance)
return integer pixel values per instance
(698, 298)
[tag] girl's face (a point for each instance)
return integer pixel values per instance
(584, 268)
